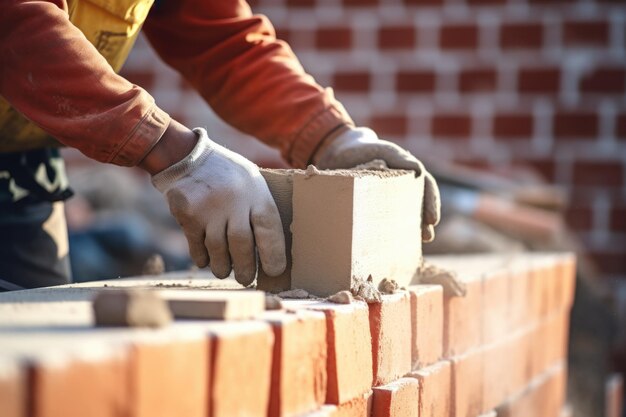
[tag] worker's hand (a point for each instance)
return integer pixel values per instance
(223, 205)
(356, 146)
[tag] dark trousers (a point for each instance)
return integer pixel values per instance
(33, 232)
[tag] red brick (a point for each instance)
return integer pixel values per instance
(462, 319)
(579, 218)
(142, 78)
(487, 2)
(566, 273)
(299, 378)
(506, 126)
(575, 124)
(357, 407)
(614, 395)
(586, 33)
(427, 3)
(521, 36)
(396, 37)
(349, 365)
(98, 387)
(604, 81)
(539, 80)
(497, 365)
(621, 126)
(300, 3)
(467, 384)
(519, 298)
(608, 173)
(434, 389)
(495, 317)
(426, 324)
(618, 218)
(451, 126)
(396, 399)
(284, 34)
(333, 38)
(546, 167)
(241, 351)
(359, 3)
(166, 379)
(543, 397)
(390, 124)
(358, 81)
(477, 80)
(610, 262)
(550, 2)
(390, 325)
(416, 81)
(519, 351)
(13, 390)
(458, 36)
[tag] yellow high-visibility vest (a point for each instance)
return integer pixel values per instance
(112, 27)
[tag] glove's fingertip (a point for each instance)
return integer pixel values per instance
(432, 201)
(275, 266)
(428, 233)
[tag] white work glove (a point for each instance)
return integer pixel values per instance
(358, 146)
(224, 207)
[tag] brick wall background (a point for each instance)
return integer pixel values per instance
(485, 82)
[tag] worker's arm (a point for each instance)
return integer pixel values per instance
(56, 78)
(255, 83)
(251, 80)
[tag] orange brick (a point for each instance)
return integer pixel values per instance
(349, 364)
(12, 390)
(498, 364)
(299, 380)
(558, 332)
(566, 273)
(518, 298)
(390, 326)
(495, 317)
(543, 286)
(544, 397)
(396, 399)
(462, 320)
(426, 324)
(241, 363)
(360, 406)
(467, 384)
(169, 378)
(614, 389)
(519, 352)
(92, 384)
(434, 389)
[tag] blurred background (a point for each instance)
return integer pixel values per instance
(518, 105)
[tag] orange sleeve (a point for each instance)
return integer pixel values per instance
(52, 75)
(251, 80)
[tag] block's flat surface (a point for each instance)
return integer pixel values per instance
(467, 384)
(280, 183)
(352, 224)
(215, 305)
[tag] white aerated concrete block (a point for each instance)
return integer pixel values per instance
(350, 224)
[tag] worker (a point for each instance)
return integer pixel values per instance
(59, 85)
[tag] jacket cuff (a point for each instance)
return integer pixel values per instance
(310, 137)
(142, 139)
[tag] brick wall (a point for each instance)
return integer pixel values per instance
(486, 82)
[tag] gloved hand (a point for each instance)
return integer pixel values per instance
(357, 146)
(224, 207)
